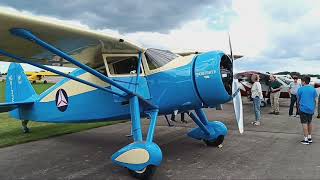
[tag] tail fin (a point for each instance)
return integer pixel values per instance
(18, 87)
(19, 91)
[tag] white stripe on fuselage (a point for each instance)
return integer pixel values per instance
(178, 62)
(75, 88)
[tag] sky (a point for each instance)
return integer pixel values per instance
(272, 35)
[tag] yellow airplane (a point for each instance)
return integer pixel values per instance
(36, 77)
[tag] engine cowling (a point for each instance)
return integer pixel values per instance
(213, 78)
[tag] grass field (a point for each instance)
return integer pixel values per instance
(11, 133)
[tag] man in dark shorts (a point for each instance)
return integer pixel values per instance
(307, 102)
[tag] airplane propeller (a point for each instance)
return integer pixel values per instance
(237, 102)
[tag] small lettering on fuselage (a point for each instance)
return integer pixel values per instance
(205, 73)
(11, 89)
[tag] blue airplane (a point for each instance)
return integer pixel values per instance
(114, 80)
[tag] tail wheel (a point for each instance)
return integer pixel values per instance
(145, 173)
(216, 142)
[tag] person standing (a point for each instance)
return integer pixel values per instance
(307, 102)
(293, 90)
(256, 95)
(318, 106)
(275, 88)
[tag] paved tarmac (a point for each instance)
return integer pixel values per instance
(271, 151)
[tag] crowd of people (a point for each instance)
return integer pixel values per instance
(303, 96)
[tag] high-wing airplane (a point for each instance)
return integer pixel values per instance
(42, 77)
(115, 80)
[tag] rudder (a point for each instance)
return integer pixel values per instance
(18, 87)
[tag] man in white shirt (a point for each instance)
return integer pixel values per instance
(293, 90)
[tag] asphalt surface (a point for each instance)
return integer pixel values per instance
(270, 151)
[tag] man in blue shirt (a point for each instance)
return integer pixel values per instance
(318, 107)
(307, 103)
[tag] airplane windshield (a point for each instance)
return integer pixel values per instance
(157, 58)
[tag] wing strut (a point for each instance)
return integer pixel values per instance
(23, 33)
(4, 53)
(138, 71)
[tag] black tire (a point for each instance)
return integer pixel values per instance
(216, 142)
(144, 174)
(45, 82)
(33, 82)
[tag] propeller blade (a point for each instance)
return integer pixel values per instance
(231, 53)
(237, 103)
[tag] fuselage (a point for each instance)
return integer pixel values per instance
(183, 84)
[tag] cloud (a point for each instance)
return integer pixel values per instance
(293, 29)
(272, 35)
(266, 64)
(124, 15)
(284, 34)
(194, 35)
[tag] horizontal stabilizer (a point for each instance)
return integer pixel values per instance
(9, 106)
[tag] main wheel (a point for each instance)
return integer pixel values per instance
(145, 173)
(45, 82)
(216, 142)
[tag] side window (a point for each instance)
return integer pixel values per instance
(125, 66)
(122, 65)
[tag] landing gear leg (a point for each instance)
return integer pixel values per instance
(142, 156)
(169, 124)
(212, 133)
(24, 124)
(173, 117)
(182, 117)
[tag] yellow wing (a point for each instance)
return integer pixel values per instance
(84, 45)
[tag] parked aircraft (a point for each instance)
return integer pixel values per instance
(40, 77)
(115, 80)
(245, 85)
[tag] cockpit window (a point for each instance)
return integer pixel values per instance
(122, 65)
(157, 58)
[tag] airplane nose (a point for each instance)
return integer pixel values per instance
(213, 78)
(226, 73)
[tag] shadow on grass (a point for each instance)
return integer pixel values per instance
(11, 132)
